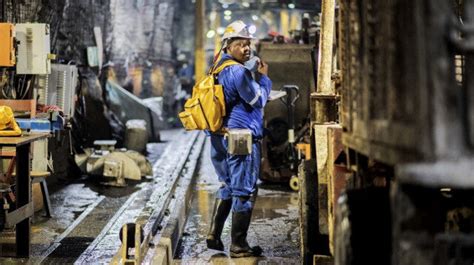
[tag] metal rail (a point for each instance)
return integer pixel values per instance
(149, 204)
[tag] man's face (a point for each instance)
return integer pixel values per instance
(240, 50)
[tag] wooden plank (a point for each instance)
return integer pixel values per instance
(23, 105)
(21, 140)
(336, 178)
(18, 215)
(7, 151)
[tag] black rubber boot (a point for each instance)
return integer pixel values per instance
(240, 247)
(219, 215)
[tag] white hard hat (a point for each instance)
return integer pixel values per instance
(236, 29)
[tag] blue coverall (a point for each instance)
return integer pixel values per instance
(245, 99)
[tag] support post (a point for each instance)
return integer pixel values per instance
(199, 53)
(23, 197)
(326, 42)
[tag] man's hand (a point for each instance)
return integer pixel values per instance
(262, 68)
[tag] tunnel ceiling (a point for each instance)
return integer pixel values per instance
(313, 5)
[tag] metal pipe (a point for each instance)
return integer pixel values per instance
(326, 41)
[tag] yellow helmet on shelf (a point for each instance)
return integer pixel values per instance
(8, 125)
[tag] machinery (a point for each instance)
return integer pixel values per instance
(114, 165)
(287, 120)
(397, 183)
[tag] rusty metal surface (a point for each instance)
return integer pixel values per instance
(337, 174)
(324, 108)
(407, 103)
(378, 106)
(401, 98)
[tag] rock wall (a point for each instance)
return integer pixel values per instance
(138, 35)
(139, 47)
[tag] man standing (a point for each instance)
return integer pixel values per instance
(245, 99)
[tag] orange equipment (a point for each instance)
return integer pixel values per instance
(7, 50)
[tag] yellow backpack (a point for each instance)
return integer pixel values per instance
(205, 110)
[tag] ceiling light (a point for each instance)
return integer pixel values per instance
(220, 30)
(212, 16)
(291, 6)
(245, 4)
(252, 29)
(210, 34)
(227, 18)
(227, 12)
(255, 17)
(227, 2)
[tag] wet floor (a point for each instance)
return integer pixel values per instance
(274, 224)
(80, 210)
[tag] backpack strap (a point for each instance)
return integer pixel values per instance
(224, 65)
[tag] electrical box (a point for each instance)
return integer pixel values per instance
(33, 49)
(7, 49)
(62, 84)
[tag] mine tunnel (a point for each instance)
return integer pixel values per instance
(333, 132)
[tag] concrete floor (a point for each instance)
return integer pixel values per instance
(274, 224)
(83, 208)
(80, 210)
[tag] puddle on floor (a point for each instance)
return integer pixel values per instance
(274, 224)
